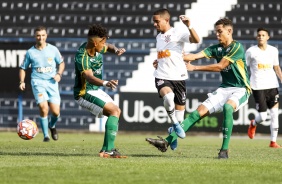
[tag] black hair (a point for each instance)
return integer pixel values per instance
(263, 29)
(162, 12)
(40, 28)
(96, 30)
(224, 22)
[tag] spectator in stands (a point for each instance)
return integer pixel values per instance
(88, 80)
(233, 92)
(170, 73)
(264, 66)
(44, 59)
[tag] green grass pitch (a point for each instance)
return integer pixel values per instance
(74, 159)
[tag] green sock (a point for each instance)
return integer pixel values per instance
(111, 129)
(44, 126)
(192, 119)
(227, 125)
(53, 121)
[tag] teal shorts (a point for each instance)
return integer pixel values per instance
(46, 90)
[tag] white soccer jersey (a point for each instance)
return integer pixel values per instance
(170, 46)
(261, 64)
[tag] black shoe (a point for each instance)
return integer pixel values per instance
(223, 154)
(54, 134)
(46, 139)
(160, 143)
(111, 154)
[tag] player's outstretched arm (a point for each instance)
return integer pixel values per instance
(194, 38)
(88, 75)
(193, 57)
(115, 50)
(217, 67)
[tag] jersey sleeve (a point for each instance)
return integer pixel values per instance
(58, 56)
(248, 57)
(81, 62)
(236, 53)
(184, 35)
(209, 52)
(26, 62)
(276, 57)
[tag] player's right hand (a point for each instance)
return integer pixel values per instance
(22, 86)
(189, 66)
(112, 84)
(185, 20)
(155, 64)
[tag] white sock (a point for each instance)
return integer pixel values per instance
(274, 125)
(179, 115)
(170, 106)
(260, 118)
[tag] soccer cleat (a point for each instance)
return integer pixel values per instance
(252, 130)
(46, 139)
(101, 153)
(173, 144)
(179, 130)
(54, 134)
(111, 154)
(223, 154)
(160, 143)
(274, 145)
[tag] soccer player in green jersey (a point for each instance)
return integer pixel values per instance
(232, 94)
(88, 80)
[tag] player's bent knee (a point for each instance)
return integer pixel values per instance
(168, 101)
(110, 109)
(228, 108)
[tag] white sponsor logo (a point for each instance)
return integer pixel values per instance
(44, 69)
(11, 58)
(160, 82)
(146, 114)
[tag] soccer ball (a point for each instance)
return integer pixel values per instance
(27, 129)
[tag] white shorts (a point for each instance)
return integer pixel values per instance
(94, 101)
(218, 98)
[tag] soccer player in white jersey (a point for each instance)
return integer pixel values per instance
(44, 59)
(264, 66)
(171, 73)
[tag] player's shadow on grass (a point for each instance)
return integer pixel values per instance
(43, 154)
(149, 155)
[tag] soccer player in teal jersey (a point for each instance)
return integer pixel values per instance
(232, 94)
(89, 79)
(44, 59)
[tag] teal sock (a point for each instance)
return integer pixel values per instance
(44, 126)
(53, 121)
(227, 125)
(111, 129)
(192, 119)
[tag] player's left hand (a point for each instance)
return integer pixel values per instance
(120, 51)
(185, 20)
(57, 78)
(189, 66)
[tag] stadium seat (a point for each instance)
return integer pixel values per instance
(9, 31)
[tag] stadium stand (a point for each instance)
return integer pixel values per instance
(130, 26)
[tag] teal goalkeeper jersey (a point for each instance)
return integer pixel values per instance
(236, 74)
(85, 62)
